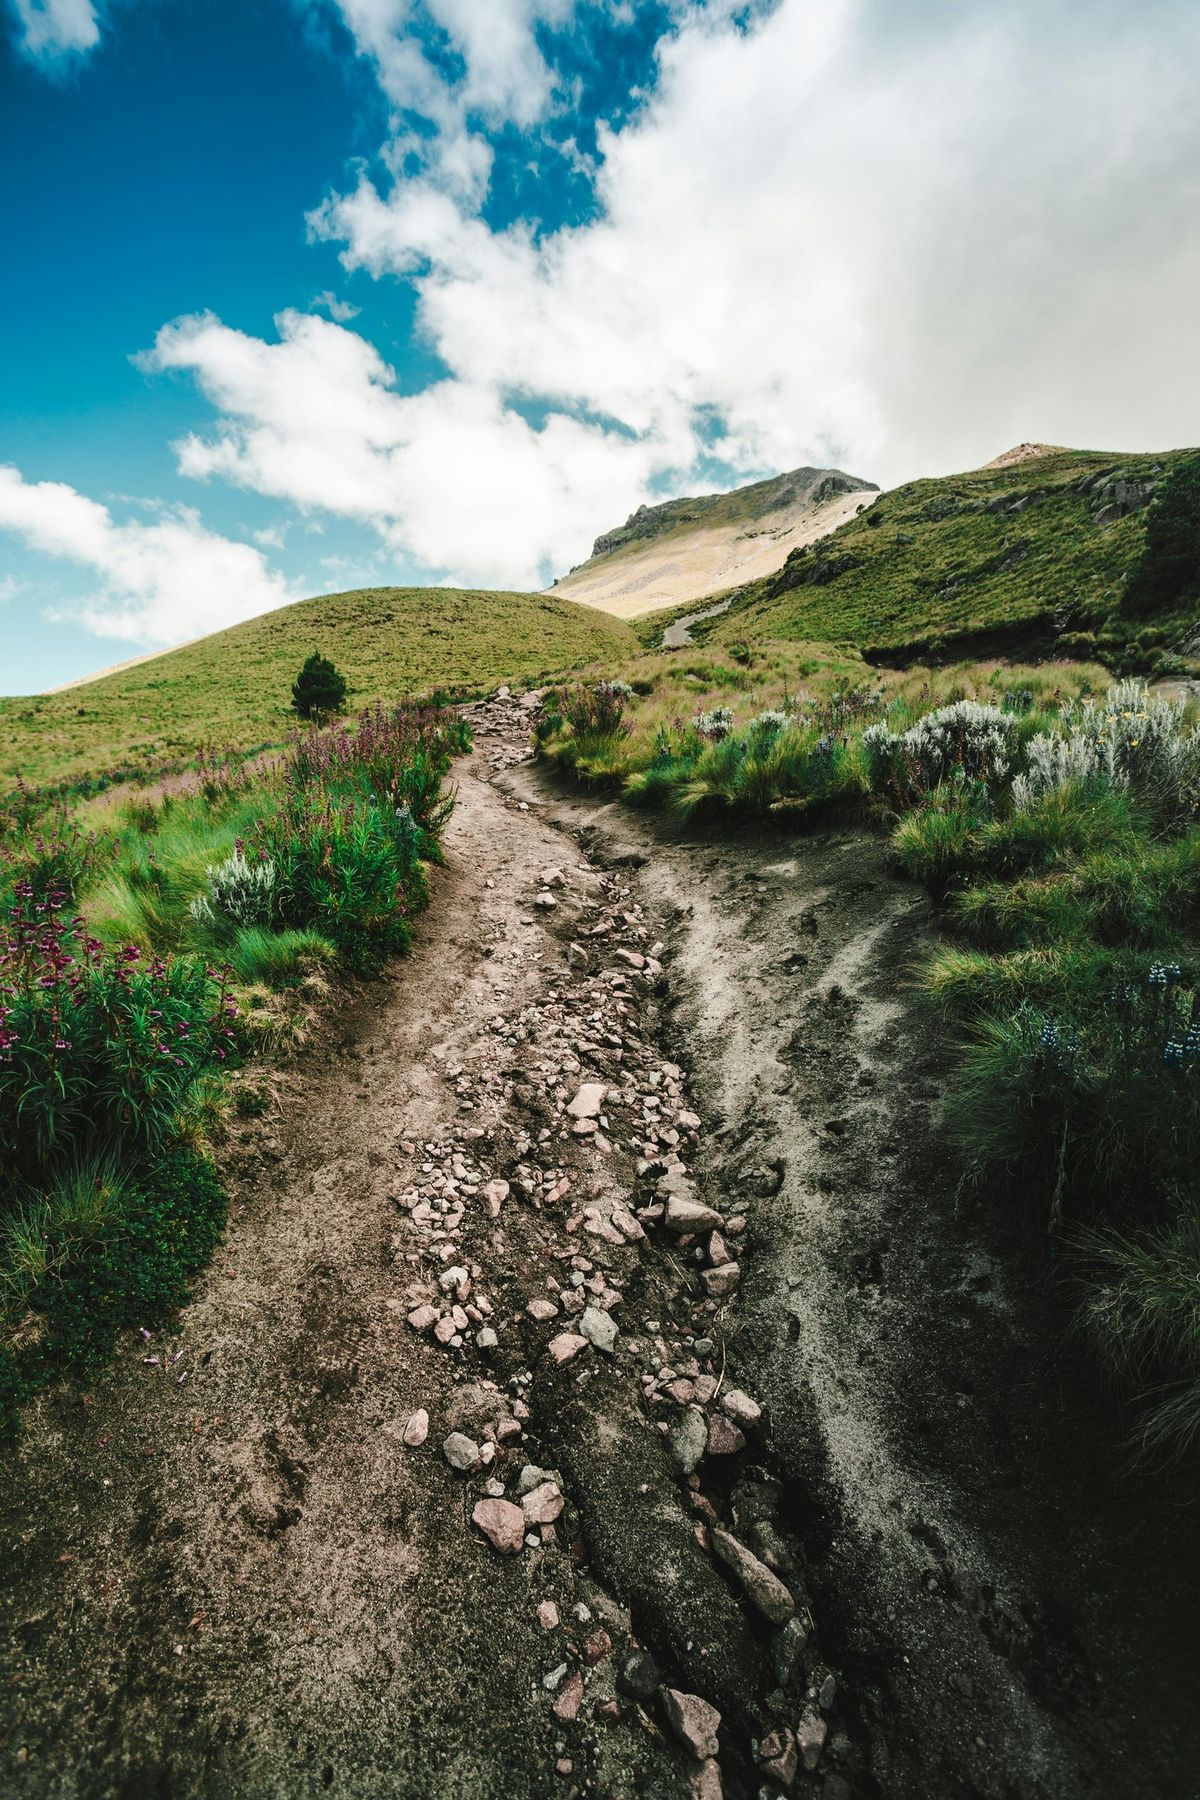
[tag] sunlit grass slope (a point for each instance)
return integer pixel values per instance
(1030, 557)
(234, 688)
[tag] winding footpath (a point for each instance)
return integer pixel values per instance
(598, 1391)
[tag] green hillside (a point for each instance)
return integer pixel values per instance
(234, 688)
(1028, 558)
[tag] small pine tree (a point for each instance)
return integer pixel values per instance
(319, 689)
(1167, 575)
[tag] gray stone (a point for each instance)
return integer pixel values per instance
(461, 1452)
(599, 1328)
(689, 1439)
(684, 1215)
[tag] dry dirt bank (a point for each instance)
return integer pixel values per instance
(251, 1584)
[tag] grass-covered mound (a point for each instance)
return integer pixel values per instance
(234, 689)
(1039, 557)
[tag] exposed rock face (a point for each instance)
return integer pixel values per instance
(758, 501)
(689, 548)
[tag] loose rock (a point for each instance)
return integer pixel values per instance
(416, 1428)
(693, 1721)
(502, 1523)
(766, 1591)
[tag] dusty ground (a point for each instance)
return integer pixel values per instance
(248, 1583)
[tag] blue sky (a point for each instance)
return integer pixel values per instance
(304, 294)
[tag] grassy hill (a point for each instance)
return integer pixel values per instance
(1024, 557)
(234, 688)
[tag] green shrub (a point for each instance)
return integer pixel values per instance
(97, 1046)
(98, 1249)
(1142, 1311)
(1090, 1108)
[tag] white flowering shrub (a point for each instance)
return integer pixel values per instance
(715, 725)
(239, 893)
(1129, 737)
(769, 723)
(966, 741)
(1054, 760)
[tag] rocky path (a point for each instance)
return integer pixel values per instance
(598, 1392)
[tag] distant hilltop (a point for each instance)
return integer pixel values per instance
(689, 548)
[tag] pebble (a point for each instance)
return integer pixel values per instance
(786, 1646)
(765, 1590)
(543, 1504)
(570, 1697)
(721, 1281)
(724, 1438)
(421, 1318)
(683, 1215)
(639, 1675)
(566, 1345)
(548, 1616)
(741, 1408)
(589, 1101)
(599, 1328)
(486, 1339)
(502, 1523)
(541, 1310)
(810, 1737)
(778, 1756)
(689, 1440)
(706, 1782)
(416, 1428)
(693, 1721)
(461, 1452)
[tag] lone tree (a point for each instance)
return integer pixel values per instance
(319, 689)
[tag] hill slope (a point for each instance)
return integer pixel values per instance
(687, 549)
(234, 688)
(1029, 554)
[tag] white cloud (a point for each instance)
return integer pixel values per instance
(450, 475)
(340, 310)
(504, 76)
(897, 243)
(54, 28)
(159, 583)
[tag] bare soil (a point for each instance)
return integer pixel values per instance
(246, 1583)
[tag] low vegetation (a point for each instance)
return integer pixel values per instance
(139, 957)
(1055, 819)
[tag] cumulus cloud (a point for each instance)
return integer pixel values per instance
(450, 475)
(897, 242)
(56, 28)
(158, 582)
(835, 231)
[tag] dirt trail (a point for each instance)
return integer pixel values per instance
(249, 1584)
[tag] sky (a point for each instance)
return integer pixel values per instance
(304, 295)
